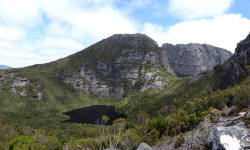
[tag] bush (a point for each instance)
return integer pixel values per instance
(129, 125)
(22, 142)
(130, 140)
(179, 140)
(84, 143)
(159, 124)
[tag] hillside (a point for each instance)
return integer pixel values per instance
(114, 67)
(132, 73)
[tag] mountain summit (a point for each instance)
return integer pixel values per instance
(192, 59)
(117, 66)
(122, 63)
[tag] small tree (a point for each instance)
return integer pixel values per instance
(142, 117)
(114, 139)
(105, 119)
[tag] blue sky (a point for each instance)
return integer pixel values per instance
(40, 31)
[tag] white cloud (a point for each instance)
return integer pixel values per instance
(25, 13)
(39, 31)
(11, 33)
(66, 26)
(193, 9)
(223, 31)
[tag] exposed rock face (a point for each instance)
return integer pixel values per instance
(119, 65)
(236, 68)
(123, 63)
(229, 138)
(144, 146)
(192, 59)
(20, 85)
(214, 135)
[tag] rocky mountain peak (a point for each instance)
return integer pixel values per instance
(123, 63)
(236, 68)
(243, 48)
(118, 65)
(192, 59)
(132, 40)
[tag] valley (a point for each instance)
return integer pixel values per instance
(142, 92)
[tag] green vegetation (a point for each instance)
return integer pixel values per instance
(28, 123)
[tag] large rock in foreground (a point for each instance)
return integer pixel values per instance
(144, 146)
(229, 138)
(192, 59)
(229, 133)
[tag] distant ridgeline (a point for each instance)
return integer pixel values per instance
(4, 67)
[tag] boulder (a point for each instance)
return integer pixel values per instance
(229, 138)
(144, 146)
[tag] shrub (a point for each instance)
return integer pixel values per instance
(129, 125)
(120, 122)
(159, 124)
(84, 143)
(105, 119)
(22, 142)
(179, 140)
(142, 116)
(130, 140)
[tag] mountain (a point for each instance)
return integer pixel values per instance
(123, 63)
(4, 67)
(134, 75)
(236, 69)
(192, 59)
(228, 122)
(116, 66)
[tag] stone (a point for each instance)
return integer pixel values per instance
(130, 64)
(235, 69)
(228, 132)
(144, 146)
(229, 138)
(192, 59)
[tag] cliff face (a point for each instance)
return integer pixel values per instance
(192, 59)
(119, 65)
(123, 63)
(236, 68)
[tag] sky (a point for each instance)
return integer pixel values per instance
(40, 31)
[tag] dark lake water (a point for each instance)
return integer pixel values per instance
(93, 114)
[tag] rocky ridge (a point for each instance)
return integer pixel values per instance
(226, 133)
(192, 59)
(121, 64)
(236, 69)
(20, 85)
(126, 62)
(4, 67)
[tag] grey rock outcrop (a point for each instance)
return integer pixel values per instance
(20, 85)
(192, 59)
(236, 68)
(124, 63)
(227, 138)
(144, 146)
(213, 135)
(119, 65)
